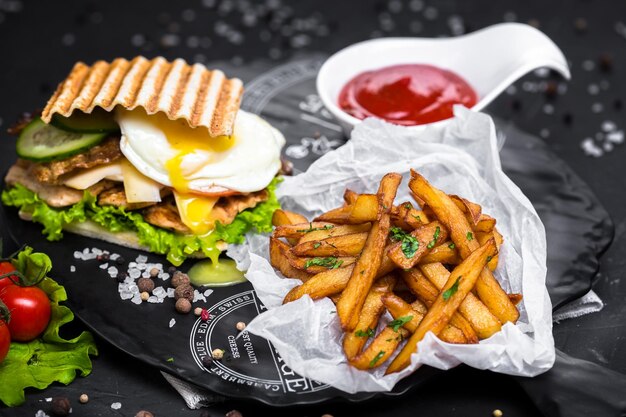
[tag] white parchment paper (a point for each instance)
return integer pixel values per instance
(460, 158)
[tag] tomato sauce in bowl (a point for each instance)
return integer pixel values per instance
(408, 94)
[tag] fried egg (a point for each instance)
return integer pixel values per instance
(190, 161)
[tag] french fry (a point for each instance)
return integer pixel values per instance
(480, 318)
(318, 265)
(407, 217)
(341, 230)
(515, 298)
(461, 281)
(486, 224)
(349, 196)
(472, 211)
(482, 237)
(280, 261)
(399, 309)
(352, 299)
(373, 308)
(380, 349)
(364, 209)
(332, 282)
(444, 253)
(428, 293)
(296, 231)
(407, 252)
(488, 289)
(284, 218)
(345, 245)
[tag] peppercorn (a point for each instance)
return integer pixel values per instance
(207, 361)
(234, 413)
(144, 296)
(61, 406)
(171, 270)
(516, 104)
(204, 315)
(145, 284)
(240, 325)
(122, 277)
(103, 257)
(580, 25)
(217, 354)
(144, 413)
(197, 311)
(497, 413)
(83, 399)
(183, 305)
(154, 272)
(184, 291)
(551, 89)
(120, 260)
(179, 278)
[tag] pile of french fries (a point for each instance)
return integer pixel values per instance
(429, 263)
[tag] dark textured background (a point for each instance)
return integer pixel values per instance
(39, 41)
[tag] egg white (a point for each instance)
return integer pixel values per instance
(248, 166)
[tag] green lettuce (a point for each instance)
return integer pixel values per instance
(49, 358)
(175, 246)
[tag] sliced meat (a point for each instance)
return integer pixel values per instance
(165, 215)
(105, 152)
(116, 196)
(53, 195)
(227, 208)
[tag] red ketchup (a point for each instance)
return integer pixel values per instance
(410, 94)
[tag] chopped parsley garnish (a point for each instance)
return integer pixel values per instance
(367, 333)
(399, 322)
(450, 291)
(408, 206)
(409, 243)
(417, 217)
(317, 245)
(435, 237)
(469, 236)
(452, 246)
(330, 262)
(377, 358)
(312, 229)
(489, 258)
(170, 360)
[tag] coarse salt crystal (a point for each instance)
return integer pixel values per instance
(78, 255)
(133, 288)
(85, 251)
(136, 299)
(171, 292)
(141, 259)
(134, 273)
(164, 276)
(141, 267)
(146, 274)
(89, 256)
(49, 399)
(197, 296)
(72, 268)
(114, 256)
(608, 126)
(208, 292)
(112, 270)
(126, 295)
(41, 413)
(153, 299)
(616, 137)
(104, 266)
(172, 323)
(116, 406)
(96, 251)
(132, 265)
(159, 291)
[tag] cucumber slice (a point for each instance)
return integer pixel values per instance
(41, 142)
(98, 121)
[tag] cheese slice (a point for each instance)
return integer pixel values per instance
(195, 211)
(89, 177)
(137, 187)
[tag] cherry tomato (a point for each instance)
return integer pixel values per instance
(5, 340)
(6, 267)
(30, 311)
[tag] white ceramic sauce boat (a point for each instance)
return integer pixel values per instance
(489, 59)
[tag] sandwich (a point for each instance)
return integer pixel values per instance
(148, 154)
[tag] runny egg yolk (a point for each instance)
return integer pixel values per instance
(194, 210)
(186, 141)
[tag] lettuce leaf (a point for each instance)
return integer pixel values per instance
(50, 357)
(175, 246)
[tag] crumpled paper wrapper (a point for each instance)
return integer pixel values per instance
(460, 158)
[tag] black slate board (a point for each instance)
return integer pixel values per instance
(579, 227)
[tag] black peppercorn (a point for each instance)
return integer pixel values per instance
(120, 261)
(207, 361)
(179, 278)
(184, 291)
(61, 406)
(122, 277)
(171, 270)
(145, 284)
(103, 257)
